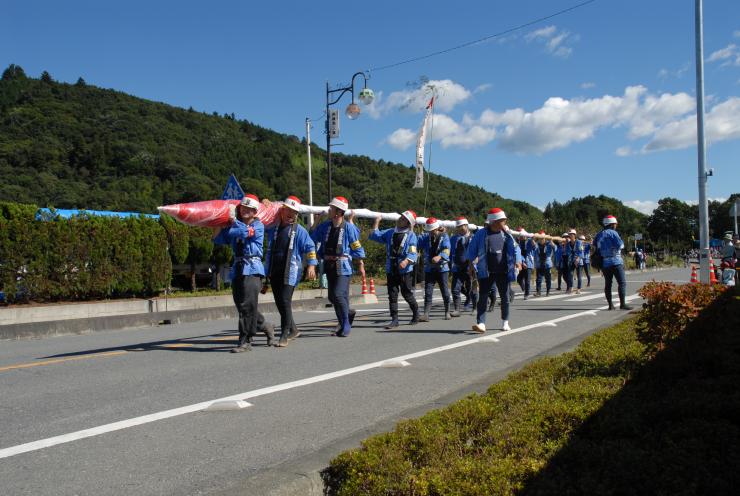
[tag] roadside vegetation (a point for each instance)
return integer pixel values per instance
(648, 406)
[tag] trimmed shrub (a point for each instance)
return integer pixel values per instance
(669, 308)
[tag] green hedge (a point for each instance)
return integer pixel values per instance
(608, 418)
(80, 258)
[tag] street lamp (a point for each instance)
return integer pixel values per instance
(366, 97)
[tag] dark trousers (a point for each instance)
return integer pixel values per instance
(283, 295)
(524, 279)
(501, 281)
(568, 277)
(430, 279)
(462, 283)
(339, 297)
(560, 276)
(616, 271)
(544, 273)
(579, 277)
(405, 283)
(246, 290)
(587, 271)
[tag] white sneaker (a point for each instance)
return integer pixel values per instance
(479, 328)
(505, 326)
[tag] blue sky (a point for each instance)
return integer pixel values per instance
(598, 100)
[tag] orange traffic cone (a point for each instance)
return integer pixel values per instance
(712, 273)
(372, 286)
(364, 286)
(694, 279)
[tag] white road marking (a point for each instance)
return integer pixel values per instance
(590, 297)
(545, 299)
(175, 412)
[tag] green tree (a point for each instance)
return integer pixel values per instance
(670, 225)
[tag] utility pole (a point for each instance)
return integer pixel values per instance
(308, 154)
(703, 206)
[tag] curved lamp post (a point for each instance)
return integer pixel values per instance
(365, 96)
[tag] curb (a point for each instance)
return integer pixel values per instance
(88, 325)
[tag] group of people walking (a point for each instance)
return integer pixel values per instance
(483, 264)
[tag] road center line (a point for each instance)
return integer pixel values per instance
(60, 360)
(175, 412)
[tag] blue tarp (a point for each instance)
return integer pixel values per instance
(47, 214)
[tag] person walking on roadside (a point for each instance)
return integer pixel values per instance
(571, 259)
(436, 247)
(245, 235)
(339, 244)
(462, 282)
(496, 256)
(528, 247)
(586, 259)
(401, 254)
(544, 262)
(610, 246)
(560, 248)
(289, 242)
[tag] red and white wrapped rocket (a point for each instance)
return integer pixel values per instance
(217, 213)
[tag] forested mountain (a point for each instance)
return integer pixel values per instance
(587, 213)
(79, 146)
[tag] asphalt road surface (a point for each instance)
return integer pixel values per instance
(123, 412)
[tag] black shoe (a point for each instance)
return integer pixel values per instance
(392, 324)
(611, 307)
(352, 314)
(414, 319)
(241, 348)
(624, 306)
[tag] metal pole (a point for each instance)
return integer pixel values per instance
(308, 153)
(328, 146)
(703, 206)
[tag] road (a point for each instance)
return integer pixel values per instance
(122, 412)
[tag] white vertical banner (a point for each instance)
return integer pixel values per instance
(420, 144)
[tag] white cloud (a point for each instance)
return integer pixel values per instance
(588, 85)
(665, 121)
(677, 73)
(482, 87)
(723, 53)
(644, 206)
(556, 42)
(736, 33)
(449, 95)
(729, 54)
(624, 151)
(401, 139)
(721, 124)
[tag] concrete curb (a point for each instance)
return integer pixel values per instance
(223, 309)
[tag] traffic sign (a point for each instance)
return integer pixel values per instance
(233, 190)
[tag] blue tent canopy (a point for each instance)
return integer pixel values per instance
(47, 214)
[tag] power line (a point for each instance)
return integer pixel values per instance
(496, 35)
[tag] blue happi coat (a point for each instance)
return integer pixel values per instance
(477, 250)
(610, 247)
(246, 244)
(302, 246)
(550, 252)
(443, 250)
(408, 248)
(586, 253)
(349, 245)
(530, 251)
(463, 241)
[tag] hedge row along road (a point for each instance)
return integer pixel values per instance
(122, 411)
